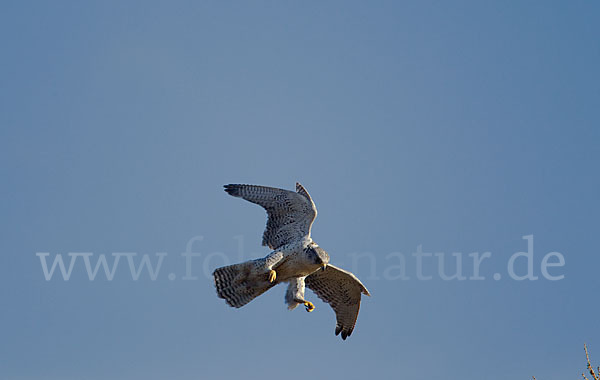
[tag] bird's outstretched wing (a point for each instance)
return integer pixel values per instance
(290, 214)
(342, 291)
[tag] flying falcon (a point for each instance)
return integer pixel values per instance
(295, 259)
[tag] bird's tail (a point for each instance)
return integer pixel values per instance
(238, 284)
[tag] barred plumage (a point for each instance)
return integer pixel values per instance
(238, 285)
(296, 259)
(341, 290)
(290, 215)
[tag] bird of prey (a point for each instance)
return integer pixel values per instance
(295, 259)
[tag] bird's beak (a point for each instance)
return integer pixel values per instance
(324, 267)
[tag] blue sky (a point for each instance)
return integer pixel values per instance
(457, 126)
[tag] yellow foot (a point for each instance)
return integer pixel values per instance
(309, 306)
(272, 275)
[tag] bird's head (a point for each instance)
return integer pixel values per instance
(319, 255)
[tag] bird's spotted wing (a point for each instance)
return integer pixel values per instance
(342, 291)
(290, 214)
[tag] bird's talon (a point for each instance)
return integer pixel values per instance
(309, 306)
(272, 275)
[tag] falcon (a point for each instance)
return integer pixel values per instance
(295, 259)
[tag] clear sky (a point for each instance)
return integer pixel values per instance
(459, 127)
